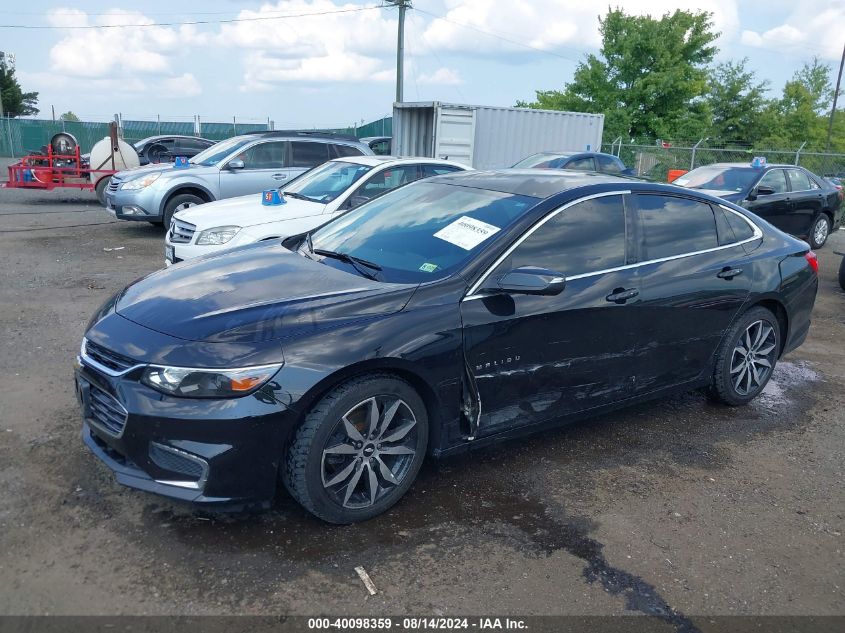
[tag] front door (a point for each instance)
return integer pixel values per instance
(538, 357)
(807, 201)
(773, 207)
(264, 168)
(693, 280)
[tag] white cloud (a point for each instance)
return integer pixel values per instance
(549, 24)
(106, 52)
(185, 85)
(809, 30)
(441, 76)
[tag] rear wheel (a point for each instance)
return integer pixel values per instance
(100, 189)
(746, 357)
(178, 203)
(358, 450)
(820, 231)
(842, 274)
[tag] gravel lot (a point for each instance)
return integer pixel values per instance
(678, 508)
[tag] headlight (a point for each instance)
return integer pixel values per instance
(218, 235)
(207, 383)
(140, 183)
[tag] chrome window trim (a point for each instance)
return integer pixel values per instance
(470, 296)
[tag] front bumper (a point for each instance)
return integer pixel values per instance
(213, 452)
(141, 205)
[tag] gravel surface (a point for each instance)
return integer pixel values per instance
(678, 508)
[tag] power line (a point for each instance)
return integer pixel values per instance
(188, 23)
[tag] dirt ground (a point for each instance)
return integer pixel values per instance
(678, 508)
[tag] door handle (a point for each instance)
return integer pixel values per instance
(729, 273)
(279, 176)
(621, 295)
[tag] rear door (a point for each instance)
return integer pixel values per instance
(538, 357)
(692, 281)
(264, 168)
(305, 155)
(807, 201)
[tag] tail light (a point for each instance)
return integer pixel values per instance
(811, 258)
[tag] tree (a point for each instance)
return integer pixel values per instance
(737, 103)
(69, 116)
(650, 77)
(15, 102)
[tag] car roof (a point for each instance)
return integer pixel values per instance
(570, 154)
(537, 183)
(373, 161)
(160, 136)
(749, 165)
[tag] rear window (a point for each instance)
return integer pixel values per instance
(340, 151)
(741, 229)
(675, 226)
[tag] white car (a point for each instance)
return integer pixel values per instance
(311, 200)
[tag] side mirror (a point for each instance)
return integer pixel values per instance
(235, 164)
(527, 280)
(763, 191)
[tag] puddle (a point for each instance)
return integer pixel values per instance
(787, 377)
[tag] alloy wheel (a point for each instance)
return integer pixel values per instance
(821, 231)
(753, 358)
(183, 206)
(369, 452)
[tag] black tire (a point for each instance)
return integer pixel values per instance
(100, 189)
(842, 274)
(820, 231)
(733, 386)
(310, 461)
(177, 203)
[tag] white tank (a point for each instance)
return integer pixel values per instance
(125, 157)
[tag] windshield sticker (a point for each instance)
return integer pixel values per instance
(466, 232)
(428, 268)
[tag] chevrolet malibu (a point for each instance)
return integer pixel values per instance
(445, 315)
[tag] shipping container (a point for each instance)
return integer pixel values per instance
(488, 137)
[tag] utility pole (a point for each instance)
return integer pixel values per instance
(835, 97)
(400, 46)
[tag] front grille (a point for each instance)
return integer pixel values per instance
(178, 461)
(113, 184)
(106, 412)
(108, 358)
(181, 232)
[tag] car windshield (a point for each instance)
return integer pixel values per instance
(423, 231)
(719, 178)
(219, 151)
(543, 161)
(326, 182)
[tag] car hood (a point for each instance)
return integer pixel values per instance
(247, 211)
(260, 292)
(730, 196)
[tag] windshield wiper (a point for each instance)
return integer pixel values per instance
(356, 262)
(298, 196)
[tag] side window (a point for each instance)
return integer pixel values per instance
(585, 238)
(674, 226)
(269, 155)
(799, 180)
(776, 179)
(609, 164)
(308, 154)
(384, 181)
(340, 151)
(581, 164)
(741, 229)
(436, 170)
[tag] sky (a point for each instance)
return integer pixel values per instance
(331, 63)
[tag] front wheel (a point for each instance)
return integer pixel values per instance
(100, 189)
(358, 450)
(179, 203)
(819, 231)
(746, 357)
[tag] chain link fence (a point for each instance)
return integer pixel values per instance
(19, 137)
(654, 161)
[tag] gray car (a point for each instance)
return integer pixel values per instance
(241, 165)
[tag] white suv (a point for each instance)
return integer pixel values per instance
(313, 199)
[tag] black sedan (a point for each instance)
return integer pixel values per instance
(579, 161)
(792, 198)
(164, 148)
(445, 315)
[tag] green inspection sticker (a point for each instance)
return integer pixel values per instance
(428, 268)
